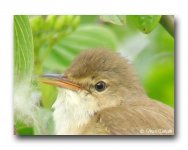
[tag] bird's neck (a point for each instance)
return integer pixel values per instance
(70, 113)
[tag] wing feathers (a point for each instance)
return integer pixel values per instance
(146, 117)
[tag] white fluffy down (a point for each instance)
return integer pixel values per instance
(71, 111)
(25, 104)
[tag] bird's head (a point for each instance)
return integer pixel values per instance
(97, 79)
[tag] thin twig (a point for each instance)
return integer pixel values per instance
(167, 21)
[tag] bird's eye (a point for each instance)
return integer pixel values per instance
(100, 86)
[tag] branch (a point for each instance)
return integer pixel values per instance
(167, 21)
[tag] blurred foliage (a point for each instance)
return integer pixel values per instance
(85, 37)
(47, 31)
(142, 39)
(43, 124)
(155, 64)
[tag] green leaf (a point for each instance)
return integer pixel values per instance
(85, 37)
(23, 49)
(23, 129)
(23, 68)
(114, 19)
(49, 94)
(145, 23)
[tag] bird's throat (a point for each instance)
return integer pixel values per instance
(70, 113)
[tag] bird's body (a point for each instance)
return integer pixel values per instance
(135, 117)
(101, 94)
(142, 117)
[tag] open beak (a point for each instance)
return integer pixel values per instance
(60, 81)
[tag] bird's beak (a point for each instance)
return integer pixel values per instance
(60, 81)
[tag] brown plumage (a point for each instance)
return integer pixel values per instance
(106, 97)
(139, 117)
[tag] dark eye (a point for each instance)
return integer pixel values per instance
(100, 86)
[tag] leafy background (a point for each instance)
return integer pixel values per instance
(48, 44)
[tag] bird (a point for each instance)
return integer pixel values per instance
(101, 94)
